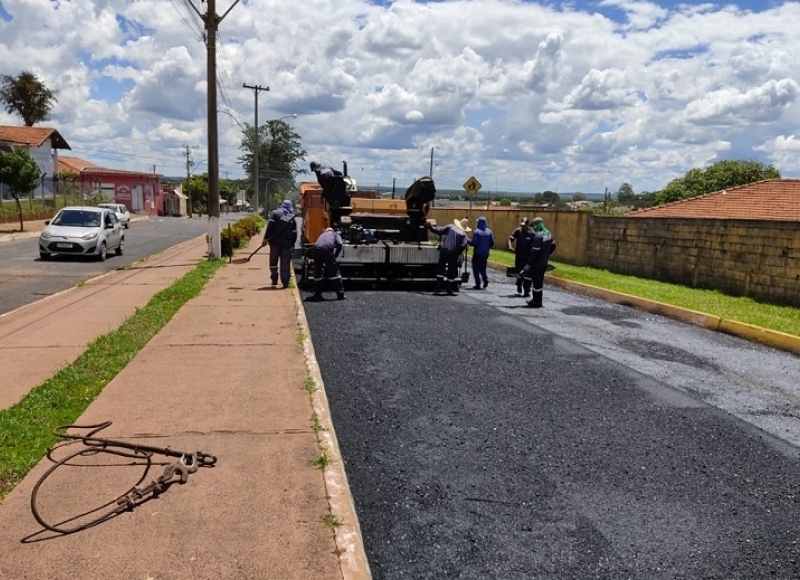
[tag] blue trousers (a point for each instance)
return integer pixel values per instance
(479, 269)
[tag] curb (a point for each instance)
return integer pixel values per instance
(773, 338)
(347, 535)
(19, 236)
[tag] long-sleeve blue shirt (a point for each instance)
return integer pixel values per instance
(482, 239)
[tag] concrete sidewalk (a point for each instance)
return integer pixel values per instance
(229, 376)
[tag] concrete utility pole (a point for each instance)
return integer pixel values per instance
(211, 21)
(256, 89)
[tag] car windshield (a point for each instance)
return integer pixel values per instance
(77, 218)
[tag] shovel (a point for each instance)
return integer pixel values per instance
(247, 259)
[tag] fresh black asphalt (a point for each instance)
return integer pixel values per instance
(478, 445)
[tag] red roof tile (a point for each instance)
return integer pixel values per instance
(771, 199)
(33, 136)
(73, 164)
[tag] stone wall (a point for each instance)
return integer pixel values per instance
(759, 259)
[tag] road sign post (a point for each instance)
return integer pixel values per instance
(472, 186)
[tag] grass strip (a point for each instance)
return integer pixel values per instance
(736, 308)
(26, 429)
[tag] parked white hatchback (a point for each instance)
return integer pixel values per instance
(82, 231)
(122, 212)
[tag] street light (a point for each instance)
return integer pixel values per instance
(196, 165)
(224, 112)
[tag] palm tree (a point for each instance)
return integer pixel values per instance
(27, 96)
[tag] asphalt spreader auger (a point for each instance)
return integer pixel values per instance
(135, 454)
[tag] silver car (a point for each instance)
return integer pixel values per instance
(122, 212)
(82, 231)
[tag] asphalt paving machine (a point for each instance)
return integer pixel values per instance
(385, 240)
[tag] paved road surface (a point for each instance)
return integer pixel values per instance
(24, 278)
(583, 441)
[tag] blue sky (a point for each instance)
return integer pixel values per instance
(526, 96)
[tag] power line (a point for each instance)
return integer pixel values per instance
(191, 23)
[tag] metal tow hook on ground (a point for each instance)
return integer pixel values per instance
(175, 472)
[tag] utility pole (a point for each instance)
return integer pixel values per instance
(256, 89)
(211, 21)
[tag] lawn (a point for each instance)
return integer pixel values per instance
(770, 316)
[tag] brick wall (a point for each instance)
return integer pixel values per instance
(759, 259)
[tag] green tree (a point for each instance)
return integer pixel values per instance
(20, 173)
(196, 188)
(278, 149)
(228, 191)
(26, 96)
(721, 175)
(625, 194)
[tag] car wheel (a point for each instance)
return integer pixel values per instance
(121, 247)
(127, 225)
(44, 256)
(102, 253)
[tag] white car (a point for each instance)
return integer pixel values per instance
(122, 212)
(82, 231)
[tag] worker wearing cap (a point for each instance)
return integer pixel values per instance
(533, 272)
(520, 242)
(326, 250)
(453, 245)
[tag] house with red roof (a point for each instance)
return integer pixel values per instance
(41, 143)
(139, 191)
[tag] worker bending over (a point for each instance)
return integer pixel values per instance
(454, 244)
(326, 251)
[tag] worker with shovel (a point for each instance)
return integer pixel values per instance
(281, 235)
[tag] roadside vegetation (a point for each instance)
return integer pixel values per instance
(26, 429)
(741, 309)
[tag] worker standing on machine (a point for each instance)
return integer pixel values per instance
(454, 244)
(326, 251)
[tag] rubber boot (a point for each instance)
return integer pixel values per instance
(536, 300)
(317, 297)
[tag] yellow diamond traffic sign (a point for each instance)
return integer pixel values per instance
(472, 186)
